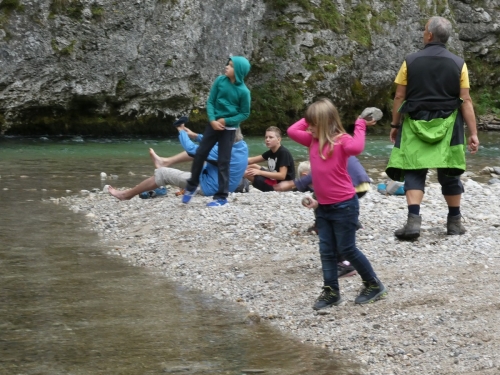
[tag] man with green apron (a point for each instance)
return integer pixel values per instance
(431, 104)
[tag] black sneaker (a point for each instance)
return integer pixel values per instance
(181, 121)
(371, 292)
(327, 298)
(345, 270)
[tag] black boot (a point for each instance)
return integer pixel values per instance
(454, 225)
(371, 292)
(411, 230)
(328, 297)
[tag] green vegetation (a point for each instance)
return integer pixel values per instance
(70, 8)
(313, 62)
(482, 72)
(386, 16)
(435, 8)
(330, 68)
(58, 6)
(328, 16)
(314, 78)
(97, 12)
(198, 116)
(53, 43)
(9, 6)
(177, 103)
(68, 50)
(487, 101)
(65, 51)
(280, 46)
(120, 86)
(169, 63)
(357, 24)
(275, 103)
(281, 5)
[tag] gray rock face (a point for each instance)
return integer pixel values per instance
(78, 65)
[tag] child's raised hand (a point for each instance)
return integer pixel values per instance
(369, 121)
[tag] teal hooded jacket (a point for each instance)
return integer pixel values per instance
(230, 101)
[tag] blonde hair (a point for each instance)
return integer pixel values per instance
(324, 115)
(304, 167)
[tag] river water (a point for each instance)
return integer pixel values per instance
(67, 308)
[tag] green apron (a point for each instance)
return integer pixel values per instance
(438, 143)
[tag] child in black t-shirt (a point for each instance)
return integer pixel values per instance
(280, 166)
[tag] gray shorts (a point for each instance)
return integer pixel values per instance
(172, 176)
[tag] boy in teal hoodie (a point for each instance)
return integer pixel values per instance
(227, 106)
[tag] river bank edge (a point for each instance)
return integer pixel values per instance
(439, 317)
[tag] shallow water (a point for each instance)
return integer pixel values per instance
(67, 308)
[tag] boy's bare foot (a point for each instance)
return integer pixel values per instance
(117, 193)
(157, 161)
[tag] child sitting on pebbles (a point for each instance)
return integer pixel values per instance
(279, 162)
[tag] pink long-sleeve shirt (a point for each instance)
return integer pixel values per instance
(332, 184)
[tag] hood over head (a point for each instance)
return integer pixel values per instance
(241, 68)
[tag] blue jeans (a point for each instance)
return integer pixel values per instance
(336, 225)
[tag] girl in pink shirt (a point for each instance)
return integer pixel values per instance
(337, 207)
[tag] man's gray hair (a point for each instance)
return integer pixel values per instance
(238, 135)
(440, 28)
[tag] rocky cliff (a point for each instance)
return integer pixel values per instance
(114, 67)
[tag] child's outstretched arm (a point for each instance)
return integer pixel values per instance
(278, 175)
(303, 183)
(298, 132)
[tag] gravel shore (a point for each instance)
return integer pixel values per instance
(442, 312)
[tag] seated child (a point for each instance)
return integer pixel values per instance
(279, 162)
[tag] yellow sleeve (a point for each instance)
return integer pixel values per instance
(464, 78)
(402, 77)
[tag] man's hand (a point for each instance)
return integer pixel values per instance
(393, 134)
(473, 144)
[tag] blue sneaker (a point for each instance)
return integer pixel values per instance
(158, 192)
(217, 203)
(186, 197)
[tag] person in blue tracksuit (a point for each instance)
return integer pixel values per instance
(164, 175)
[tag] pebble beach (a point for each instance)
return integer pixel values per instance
(442, 311)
